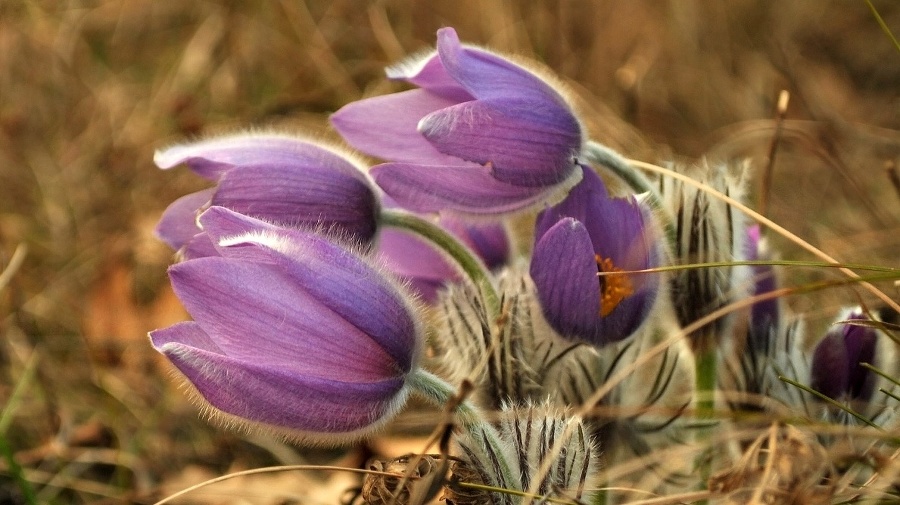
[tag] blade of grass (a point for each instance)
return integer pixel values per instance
(6, 417)
(882, 24)
(15, 262)
(832, 402)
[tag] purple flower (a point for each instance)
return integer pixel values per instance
(417, 261)
(481, 134)
(291, 331)
(765, 314)
(586, 234)
(836, 369)
(281, 179)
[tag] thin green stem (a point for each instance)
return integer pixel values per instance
(705, 391)
(467, 262)
(617, 164)
(832, 402)
(883, 25)
(441, 393)
(6, 416)
(777, 263)
(706, 383)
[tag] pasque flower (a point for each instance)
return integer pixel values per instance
(282, 179)
(481, 134)
(291, 331)
(764, 315)
(580, 244)
(836, 363)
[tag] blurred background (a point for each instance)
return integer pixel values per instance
(89, 89)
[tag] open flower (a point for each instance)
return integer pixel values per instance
(282, 179)
(580, 244)
(481, 135)
(291, 332)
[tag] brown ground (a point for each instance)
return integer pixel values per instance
(88, 90)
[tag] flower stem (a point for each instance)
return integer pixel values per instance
(467, 262)
(706, 360)
(706, 383)
(441, 393)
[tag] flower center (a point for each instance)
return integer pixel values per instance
(613, 287)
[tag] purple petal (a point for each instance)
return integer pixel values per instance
(339, 280)
(178, 224)
(565, 274)
(387, 126)
(860, 342)
(829, 370)
(200, 246)
(578, 204)
(416, 261)
(619, 227)
(525, 142)
(211, 158)
(188, 333)
(219, 222)
(258, 313)
(490, 241)
(281, 396)
(764, 315)
(629, 314)
(469, 189)
(428, 72)
(617, 231)
(302, 194)
(488, 76)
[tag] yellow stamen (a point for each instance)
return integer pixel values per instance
(613, 287)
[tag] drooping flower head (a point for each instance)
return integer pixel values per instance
(285, 180)
(291, 331)
(481, 135)
(836, 368)
(587, 234)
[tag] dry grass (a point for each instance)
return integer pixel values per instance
(88, 90)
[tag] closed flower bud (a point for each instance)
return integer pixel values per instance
(536, 448)
(291, 332)
(837, 370)
(284, 180)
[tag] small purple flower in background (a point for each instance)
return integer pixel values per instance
(836, 369)
(765, 315)
(482, 135)
(586, 234)
(281, 179)
(291, 331)
(416, 260)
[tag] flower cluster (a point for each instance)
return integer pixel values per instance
(312, 280)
